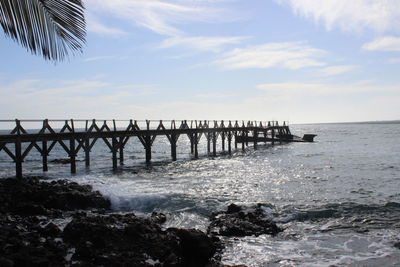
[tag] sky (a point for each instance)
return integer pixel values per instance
(302, 61)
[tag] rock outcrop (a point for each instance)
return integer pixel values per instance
(239, 222)
(62, 223)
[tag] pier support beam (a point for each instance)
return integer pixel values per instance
(191, 138)
(18, 159)
(148, 148)
(229, 142)
(72, 155)
(255, 135)
(196, 152)
(214, 139)
(44, 156)
(173, 147)
(114, 153)
(243, 142)
(223, 140)
(87, 152)
(121, 151)
(273, 136)
(236, 140)
(208, 143)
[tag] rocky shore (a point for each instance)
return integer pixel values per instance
(62, 223)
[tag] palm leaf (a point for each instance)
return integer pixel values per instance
(51, 28)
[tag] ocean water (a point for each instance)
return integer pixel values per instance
(338, 198)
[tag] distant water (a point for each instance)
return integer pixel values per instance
(338, 198)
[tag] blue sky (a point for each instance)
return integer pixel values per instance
(294, 60)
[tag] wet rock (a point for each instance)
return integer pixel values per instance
(33, 197)
(233, 208)
(236, 222)
(159, 218)
(29, 236)
(29, 209)
(197, 248)
(50, 230)
(130, 240)
(22, 243)
(61, 161)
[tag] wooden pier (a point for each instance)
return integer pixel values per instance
(74, 139)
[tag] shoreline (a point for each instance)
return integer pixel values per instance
(63, 223)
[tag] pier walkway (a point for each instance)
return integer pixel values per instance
(81, 135)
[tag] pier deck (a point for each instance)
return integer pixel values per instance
(76, 135)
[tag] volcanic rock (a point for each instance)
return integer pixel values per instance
(129, 240)
(34, 197)
(236, 222)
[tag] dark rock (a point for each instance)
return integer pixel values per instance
(197, 248)
(28, 236)
(232, 208)
(236, 222)
(23, 244)
(6, 262)
(159, 218)
(61, 161)
(50, 230)
(30, 209)
(397, 245)
(135, 241)
(33, 197)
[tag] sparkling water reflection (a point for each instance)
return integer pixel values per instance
(336, 198)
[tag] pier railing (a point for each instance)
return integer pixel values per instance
(81, 135)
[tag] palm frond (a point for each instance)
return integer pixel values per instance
(51, 28)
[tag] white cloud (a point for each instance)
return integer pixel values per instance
(214, 95)
(94, 25)
(315, 89)
(336, 70)
(290, 55)
(203, 43)
(37, 99)
(350, 15)
(394, 60)
(386, 43)
(159, 16)
(90, 59)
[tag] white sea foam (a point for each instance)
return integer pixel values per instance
(315, 249)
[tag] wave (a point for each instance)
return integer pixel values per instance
(350, 215)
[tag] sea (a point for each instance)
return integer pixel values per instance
(337, 199)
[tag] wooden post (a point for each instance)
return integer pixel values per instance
(196, 152)
(223, 141)
(45, 152)
(148, 148)
(265, 136)
(72, 154)
(273, 136)
(87, 152)
(121, 151)
(44, 156)
(214, 138)
(236, 140)
(18, 152)
(229, 142)
(114, 152)
(255, 135)
(87, 146)
(191, 137)
(173, 147)
(208, 143)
